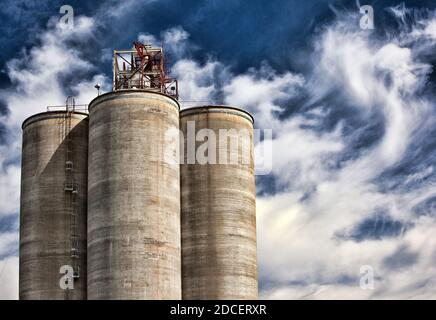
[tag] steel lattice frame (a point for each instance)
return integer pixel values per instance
(145, 70)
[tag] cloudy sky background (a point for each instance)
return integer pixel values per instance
(353, 114)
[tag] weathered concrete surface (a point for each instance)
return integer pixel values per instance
(219, 258)
(134, 198)
(45, 217)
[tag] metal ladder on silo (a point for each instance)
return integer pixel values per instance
(71, 188)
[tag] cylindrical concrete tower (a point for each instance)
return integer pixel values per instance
(134, 197)
(219, 258)
(53, 206)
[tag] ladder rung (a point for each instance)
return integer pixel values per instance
(76, 273)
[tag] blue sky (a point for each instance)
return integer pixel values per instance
(353, 114)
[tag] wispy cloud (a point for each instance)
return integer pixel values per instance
(352, 181)
(373, 77)
(333, 202)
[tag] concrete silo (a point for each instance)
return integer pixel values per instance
(53, 206)
(218, 214)
(134, 197)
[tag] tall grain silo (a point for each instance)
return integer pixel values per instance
(218, 214)
(134, 198)
(53, 206)
(133, 188)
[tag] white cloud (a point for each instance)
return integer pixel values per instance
(175, 42)
(8, 266)
(36, 77)
(117, 10)
(85, 90)
(147, 38)
(7, 242)
(199, 84)
(321, 195)
(9, 189)
(36, 83)
(9, 278)
(261, 91)
(35, 74)
(374, 76)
